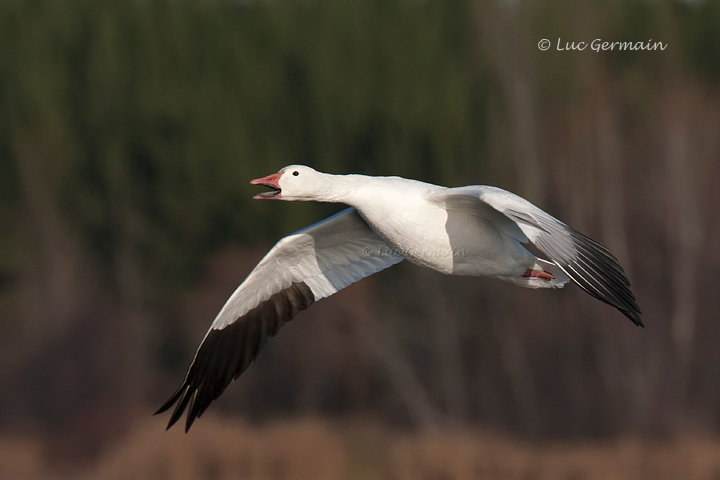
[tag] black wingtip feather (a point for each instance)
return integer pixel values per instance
(225, 354)
(171, 401)
(606, 279)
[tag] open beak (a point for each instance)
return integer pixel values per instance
(269, 181)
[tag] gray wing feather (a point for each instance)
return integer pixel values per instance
(586, 261)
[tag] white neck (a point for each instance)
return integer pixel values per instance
(342, 188)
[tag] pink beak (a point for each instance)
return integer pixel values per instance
(269, 181)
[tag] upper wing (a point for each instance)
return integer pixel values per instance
(587, 262)
(303, 267)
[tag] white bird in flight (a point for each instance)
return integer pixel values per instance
(475, 230)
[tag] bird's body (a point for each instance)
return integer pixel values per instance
(419, 227)
(472, 231)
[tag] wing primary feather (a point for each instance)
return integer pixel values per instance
(172, 400)
(596, 282)
(617, 276)
(598, 251)
(602, 266)
(613, 284)
(177, 413)
(632, 313)
(225, 353)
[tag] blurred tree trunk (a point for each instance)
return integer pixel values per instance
(505, 40)
(447, 345)
(386, 347)
(683, 222)
(684, 232)
(517, 368)
(611, 165)
(128, 279)
(135, 329)
(58, 270)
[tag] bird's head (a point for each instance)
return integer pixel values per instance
(295, 182)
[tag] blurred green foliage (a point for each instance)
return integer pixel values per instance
(151, 117)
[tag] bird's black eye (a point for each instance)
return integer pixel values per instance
(295, 173)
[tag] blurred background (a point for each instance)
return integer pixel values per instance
(129, 131)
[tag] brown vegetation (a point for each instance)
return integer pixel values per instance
(316, 449)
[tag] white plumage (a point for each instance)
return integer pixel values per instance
(474, 230)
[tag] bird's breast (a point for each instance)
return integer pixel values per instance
(415, 231)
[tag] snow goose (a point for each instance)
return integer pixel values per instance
(474, 230)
